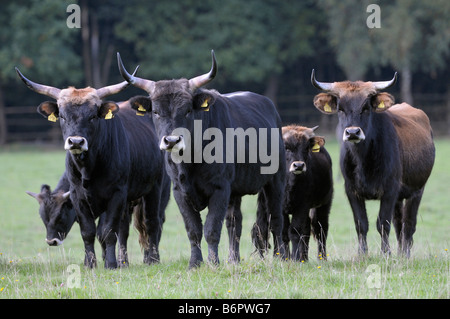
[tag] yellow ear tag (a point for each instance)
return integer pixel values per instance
(109, 115)
(316, 148)
(381, 105)
(327, 108)
(205, 105)
(52, 117)
(141, 108)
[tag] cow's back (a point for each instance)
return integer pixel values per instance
(416, 144)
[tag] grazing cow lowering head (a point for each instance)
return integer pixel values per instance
(57, 213)
(79, 110)
(173, 103)
(355, 102)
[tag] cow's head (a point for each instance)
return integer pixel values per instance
(355, 103)
(57, 213)
(79, 110)
(173, 104)
(300, 143)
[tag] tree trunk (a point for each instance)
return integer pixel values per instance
(87, 62)
(272, 88)
(406, 84)
(3, 130)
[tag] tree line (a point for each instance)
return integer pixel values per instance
(267, 46)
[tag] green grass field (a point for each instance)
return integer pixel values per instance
(31, 269)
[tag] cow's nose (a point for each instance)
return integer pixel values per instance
(297, 167)
(169, 142)
(53, 242)
(353, 134)
(76, 144)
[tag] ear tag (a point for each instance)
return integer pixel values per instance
(52, 117)
(205, 105)
(141, 108)
(316, 148)
(381, 105)
(140, 113)
(109, 115)
(327, 108)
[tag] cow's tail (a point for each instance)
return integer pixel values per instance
(139, 224)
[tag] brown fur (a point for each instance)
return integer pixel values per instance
(297, 133)
(358, 87)
(78, 96)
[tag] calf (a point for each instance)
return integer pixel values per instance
(309, 190)
(387, 154)
(57, 213)
(112, 159)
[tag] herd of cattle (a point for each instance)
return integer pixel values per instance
(120, 164)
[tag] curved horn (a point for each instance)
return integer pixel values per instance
(385, 84)
(113, 89)
(144, 84)
(204, 79)
(40, 88)
(320, 85)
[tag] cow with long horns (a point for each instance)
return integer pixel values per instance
(387, 154)
(113, 158)
(186, 118)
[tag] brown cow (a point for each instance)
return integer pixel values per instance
(388, 154)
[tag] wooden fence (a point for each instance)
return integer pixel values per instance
(24, 124)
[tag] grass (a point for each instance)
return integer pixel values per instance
(31, 269)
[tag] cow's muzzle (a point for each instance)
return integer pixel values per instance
(54, 241)
(297, 167)
(172, 143)
(353, 134)
(76, 144)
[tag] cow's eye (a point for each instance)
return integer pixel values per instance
(188, 113)
(156, 114)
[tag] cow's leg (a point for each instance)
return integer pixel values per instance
(384, 220)
(409, 221)
(360, 217)
(193, 224)
(274, 192)
(234, 227)
(124, 231)
(398, 223)
(152, 225)
(319, 223)
(299, 233)
(115, 209)
(100, 235)
(217, 209)
(260, 230)
(87, 228)
(285, 234)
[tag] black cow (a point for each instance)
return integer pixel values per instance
(309, 190)
(387, 154)
(57, 213)
(217, 174)
(112, 158)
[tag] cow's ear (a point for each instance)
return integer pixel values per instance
(326, 103)
(382, 101)
(107, 110)
(49, 110)
(203, 101)
(142, 104)
(316, 143)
